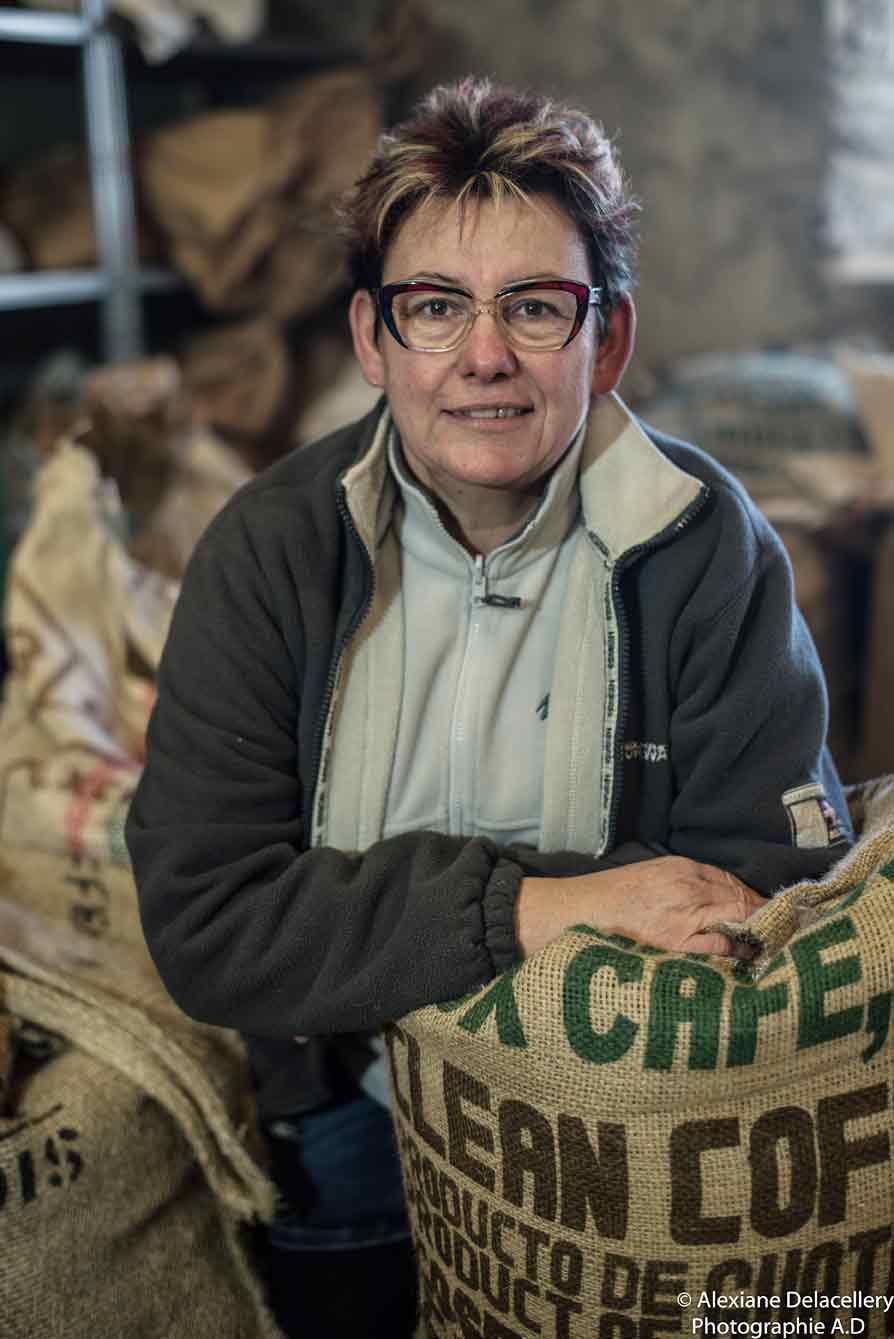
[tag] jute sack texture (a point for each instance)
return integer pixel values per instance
(84, 628)
(128, 1179)
(609, 1128)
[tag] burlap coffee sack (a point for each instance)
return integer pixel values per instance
(262, 237)
(203, 175)
(610, 1127)
(148, 434)
(75, 923)
(145, 1119)
(135, 420)
(93, 900)
(126, 1181)
(48, 206)
(231, 272)
(85, 625)
(239, 377)
(339, 110)
(206, 476)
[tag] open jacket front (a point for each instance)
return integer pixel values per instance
(687, 715)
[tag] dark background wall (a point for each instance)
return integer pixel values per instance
(721, 108)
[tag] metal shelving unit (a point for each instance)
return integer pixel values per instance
(117, 283)
(26, 25)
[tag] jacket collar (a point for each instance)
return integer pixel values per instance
(369, 487)
(630, 491)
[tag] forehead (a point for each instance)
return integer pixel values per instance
(495, 243)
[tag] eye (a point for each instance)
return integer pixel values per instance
(531, 309)
(434, 307)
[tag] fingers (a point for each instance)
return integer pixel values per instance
(711, 942)
(738, 900)
(672, 902)
(748, 900)
(723, 898)
(735, 901)
(721, 946)
(744, 952)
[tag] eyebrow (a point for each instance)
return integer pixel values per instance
(449, 281)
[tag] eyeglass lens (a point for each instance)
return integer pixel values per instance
(531, 318)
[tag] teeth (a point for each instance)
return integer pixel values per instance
(491, 413)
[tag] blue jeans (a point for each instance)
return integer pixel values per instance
(340, 1254)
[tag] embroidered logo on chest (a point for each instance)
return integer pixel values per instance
(645, 751)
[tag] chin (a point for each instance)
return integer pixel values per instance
(500, 479)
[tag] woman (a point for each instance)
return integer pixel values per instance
(495, 661)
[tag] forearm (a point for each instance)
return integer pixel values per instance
(546, 907)
(555, 892)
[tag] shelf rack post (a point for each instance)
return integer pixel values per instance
(108, 141)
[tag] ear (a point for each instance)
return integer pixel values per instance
(362, 316)
(615, 347)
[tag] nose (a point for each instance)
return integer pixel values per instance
(485, 354)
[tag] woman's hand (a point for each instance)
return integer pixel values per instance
(666, 902)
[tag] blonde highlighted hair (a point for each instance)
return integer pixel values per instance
(474, 141)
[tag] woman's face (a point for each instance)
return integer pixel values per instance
(432, 395)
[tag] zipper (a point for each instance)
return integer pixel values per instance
(458, 736)
(617, 570)
(332, 678)
(457, 758)
(457, 739)
(479, 581)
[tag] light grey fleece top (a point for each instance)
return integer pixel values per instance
(476, 675)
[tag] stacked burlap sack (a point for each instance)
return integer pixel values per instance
(244, 196)
(612, 1140)
(90, 591)
(47, 206)
(84, 629)
(243, 199)
(239, 200)
(126, 1160)
(128, 1171)
(149, 434)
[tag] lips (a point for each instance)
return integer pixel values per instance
(490, 411)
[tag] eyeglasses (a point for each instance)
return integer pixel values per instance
(537, 315)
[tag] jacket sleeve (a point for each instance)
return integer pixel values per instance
(248, 928)
(749, 719)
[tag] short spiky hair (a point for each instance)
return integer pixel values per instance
(475, 141)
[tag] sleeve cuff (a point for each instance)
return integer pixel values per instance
(500, 897)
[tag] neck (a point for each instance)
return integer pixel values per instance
(483, 519)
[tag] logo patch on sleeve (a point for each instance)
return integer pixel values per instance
(813, 820)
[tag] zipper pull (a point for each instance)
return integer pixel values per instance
(503, 601)
(479, 581)
(480, 594)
